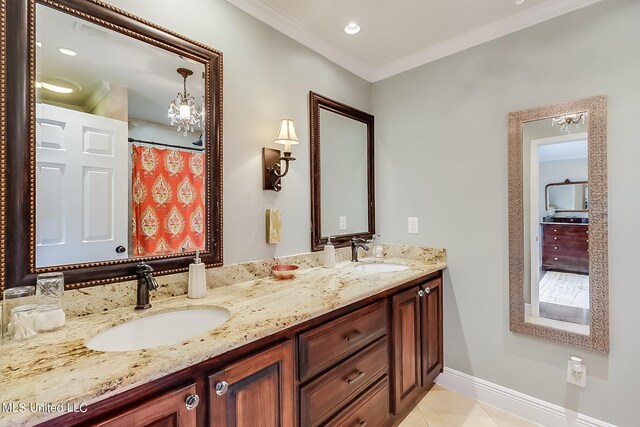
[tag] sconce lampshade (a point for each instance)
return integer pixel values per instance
(286, 135)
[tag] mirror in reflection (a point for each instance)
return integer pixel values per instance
(120, 157)
(567, 196)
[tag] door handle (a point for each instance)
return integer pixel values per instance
(121, 249)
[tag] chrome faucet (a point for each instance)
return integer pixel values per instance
(355, 244)
(146, 283)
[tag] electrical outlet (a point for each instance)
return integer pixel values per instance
(343, 223)
(412, 225)
(576, 372)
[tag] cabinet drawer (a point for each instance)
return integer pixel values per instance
(323, 396)
(575, 264)
(566, 230)
(326, 345)
(579, 249)
(371, 409)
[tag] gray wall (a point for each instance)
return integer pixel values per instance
(267, 77)
(442, 156)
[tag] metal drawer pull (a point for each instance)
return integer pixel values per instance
(427, 290)
(356, 335)
(556, 258)
(362, 423)
(356, 377)
(555, 247)
(191, 402)
(420, 293)
(555, 238)
(222, 387)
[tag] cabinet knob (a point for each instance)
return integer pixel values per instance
(555, 238)
(121, 249)
(555, 258)
(191, 402)
(222, 387)
(427, 290)
(420, 293)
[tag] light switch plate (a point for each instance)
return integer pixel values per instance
(412, 225)
(343, 223)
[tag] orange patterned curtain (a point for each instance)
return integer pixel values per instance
(168, 201)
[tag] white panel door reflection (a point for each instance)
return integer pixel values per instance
(80, 154)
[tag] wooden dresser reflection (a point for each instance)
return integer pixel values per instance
(565, 247)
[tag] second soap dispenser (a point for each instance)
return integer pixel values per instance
(197, 278)
(329, 255)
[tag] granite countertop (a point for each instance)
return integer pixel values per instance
(56, 368)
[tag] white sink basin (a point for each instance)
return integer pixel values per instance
(384, 267)
(159, 329)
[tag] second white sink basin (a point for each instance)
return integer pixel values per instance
(159, 329)
(384, 267)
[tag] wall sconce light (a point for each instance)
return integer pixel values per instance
(271, 158)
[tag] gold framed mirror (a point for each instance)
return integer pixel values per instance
(558, 258)
(103, 165)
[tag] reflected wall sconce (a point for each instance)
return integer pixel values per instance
(271, 158)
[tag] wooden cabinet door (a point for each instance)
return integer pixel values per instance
(406, 346)
(167, 410)
(255, 392)
(431, 331)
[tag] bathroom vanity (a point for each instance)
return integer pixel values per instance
(336, 347)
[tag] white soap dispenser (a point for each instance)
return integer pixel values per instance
(329, 255)
(197, 278)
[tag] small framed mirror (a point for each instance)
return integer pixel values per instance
(558, 262)
(567, 196)
(342, 172)
(114, 155)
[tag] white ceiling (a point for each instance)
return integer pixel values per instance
(148, 72)
(563, 151)
(401, 34)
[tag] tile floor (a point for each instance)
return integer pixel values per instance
(442, 407)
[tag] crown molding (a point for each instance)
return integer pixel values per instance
(292, 29)
(527, 18)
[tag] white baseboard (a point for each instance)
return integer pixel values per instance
(520, 404)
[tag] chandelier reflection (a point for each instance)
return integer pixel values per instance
(182, 111)
(570, 122)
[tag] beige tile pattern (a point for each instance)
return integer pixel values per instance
(442, 407)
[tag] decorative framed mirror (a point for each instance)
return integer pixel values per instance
(558, 246)
(103, 165)
(342, 172)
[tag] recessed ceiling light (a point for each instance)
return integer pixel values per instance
(66, 51)
(352, 28)
(39, 44)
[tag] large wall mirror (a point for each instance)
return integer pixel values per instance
(558, 265)
(342, 179)
(114, 152)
